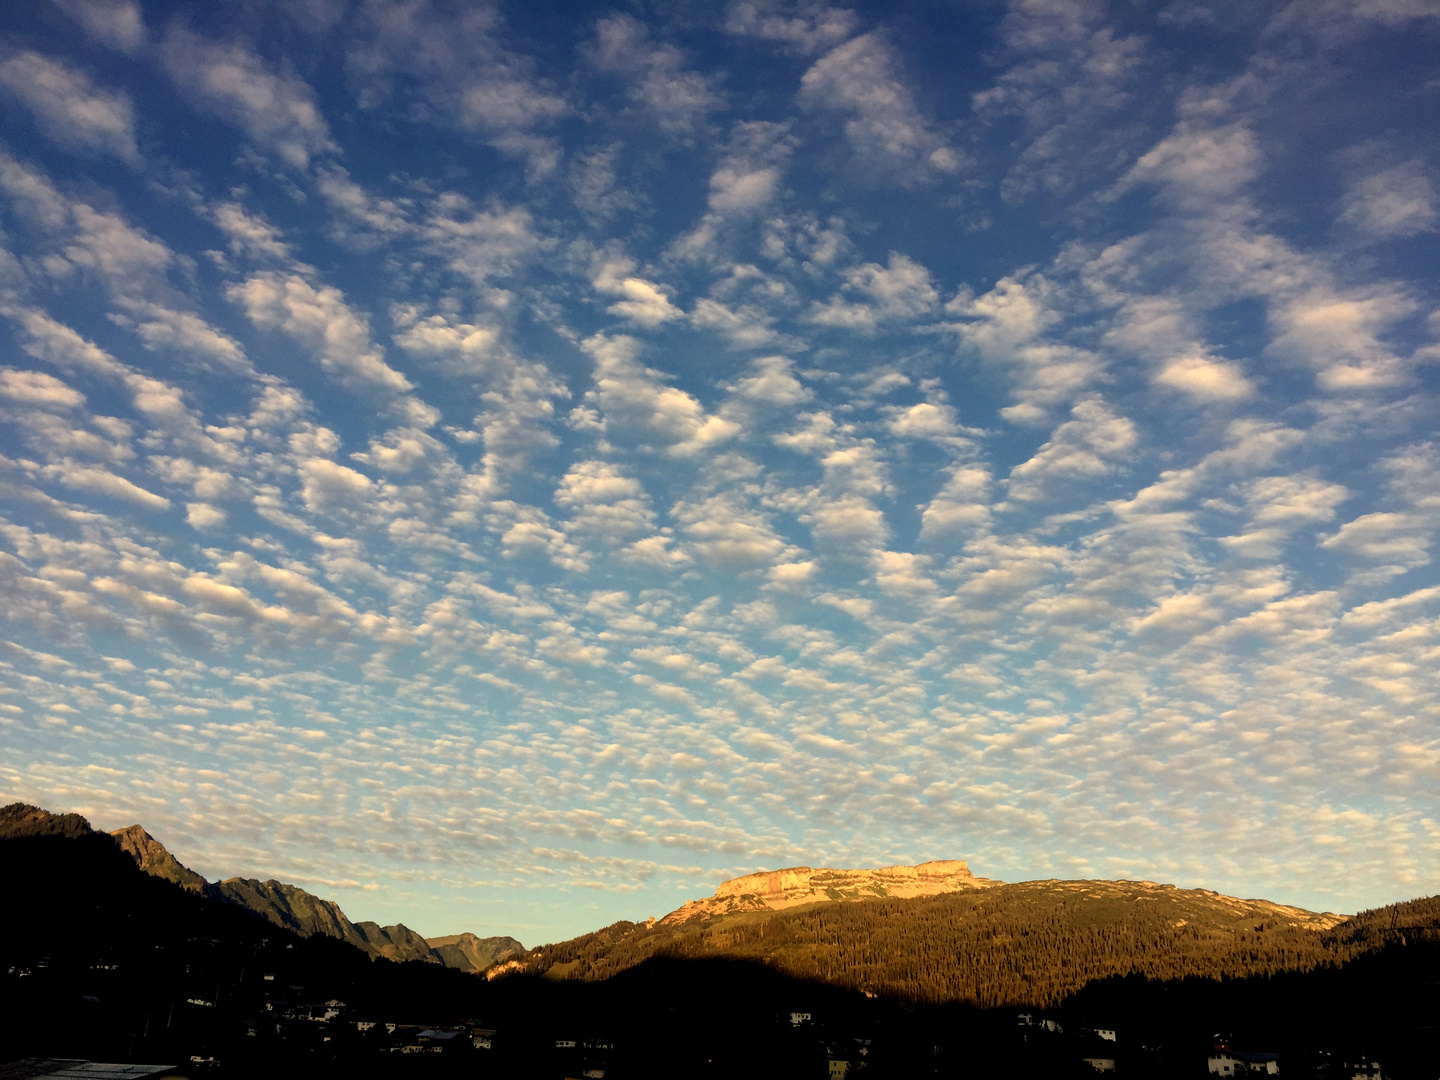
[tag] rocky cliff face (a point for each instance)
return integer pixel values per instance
(774, 890)
(470, 953)
(152, 857)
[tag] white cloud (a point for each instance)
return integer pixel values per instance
(771, 381)
(748, 177)
(636, 402)
(1341, 335)
(961, 506)
(1071, 82)
(1279, 505)
(1200, 163)
(249, 232)
(402, 451)
(747, 326)
(278, 112)
(1396, 202)
(641, 301)
(36, 389)
(794, 575)
(744, 184)
(132, 265)
(115, 24)
(901, 290)
(330, 486)
(850, 524)
(725, 533)
(902, 574)
(925, 420)
(886, 132)
(322, 321)
(460, 348)
(458, 65)
(1205, 379)
(204, 515)
(1088, 446)
(677, 97)
(103, 482)
(805, 27)
(480, 245)
(605, 502)
(1398, 538)
(1009, 328)
(70, 108)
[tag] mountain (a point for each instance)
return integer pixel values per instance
(305, 913)
(1024, 944)
(284, 905)
(20, 819)
(152, 857)
(104, 960)
(775, 890)
(470, 953)
(295, 909)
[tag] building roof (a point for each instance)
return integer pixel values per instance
(76, 1069)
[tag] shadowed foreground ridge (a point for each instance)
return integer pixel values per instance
(282, 904)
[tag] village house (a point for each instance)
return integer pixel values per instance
(1362, 1069)
(1243, 1063)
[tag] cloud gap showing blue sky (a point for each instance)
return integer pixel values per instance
(512, 466)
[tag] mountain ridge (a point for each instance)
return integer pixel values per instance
(279, 902)
(1024, 943)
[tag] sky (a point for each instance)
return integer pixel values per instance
(510, 467)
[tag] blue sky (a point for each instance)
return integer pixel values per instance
(509, 468)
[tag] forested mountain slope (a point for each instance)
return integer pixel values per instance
(1030, 943)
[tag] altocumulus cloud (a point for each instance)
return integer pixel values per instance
(518, 474)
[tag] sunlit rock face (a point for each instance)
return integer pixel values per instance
(773, 890)
(469, 952)
(153, 857)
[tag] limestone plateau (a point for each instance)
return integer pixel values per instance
(775, 890)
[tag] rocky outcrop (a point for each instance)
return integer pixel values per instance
(774, 890)
(152, 857)
(470, 953)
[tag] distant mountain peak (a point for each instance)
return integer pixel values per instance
(471, 953)
(774, 890)
(153, 857)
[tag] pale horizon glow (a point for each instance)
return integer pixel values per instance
(510, 467)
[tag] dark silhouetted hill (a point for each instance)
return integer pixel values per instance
(282, 904)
